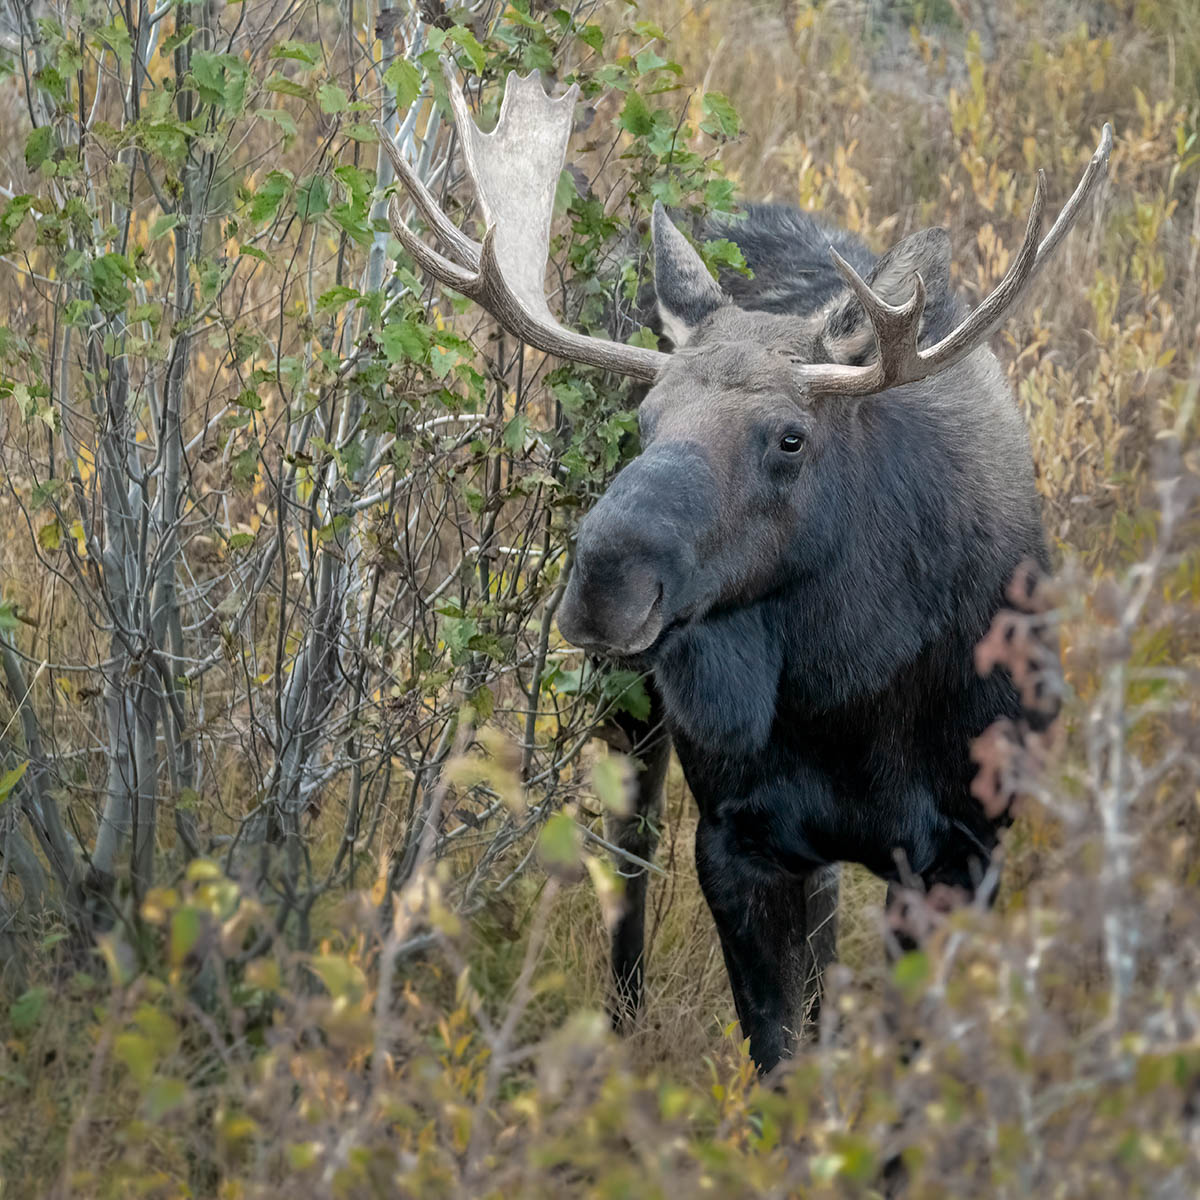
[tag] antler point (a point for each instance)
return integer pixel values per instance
(917, 303)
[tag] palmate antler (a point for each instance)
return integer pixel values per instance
(516, 169)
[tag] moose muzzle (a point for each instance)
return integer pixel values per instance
(638, 556)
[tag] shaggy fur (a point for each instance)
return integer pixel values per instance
(809, 615)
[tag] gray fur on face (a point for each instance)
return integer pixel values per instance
(729, 398)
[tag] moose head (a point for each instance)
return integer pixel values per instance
(748, 429)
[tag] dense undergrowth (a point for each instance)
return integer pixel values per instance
(301, 890)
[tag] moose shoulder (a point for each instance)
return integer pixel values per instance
(834, 490)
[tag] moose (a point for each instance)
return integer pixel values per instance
(834, 489)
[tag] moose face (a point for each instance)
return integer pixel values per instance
(744, 473)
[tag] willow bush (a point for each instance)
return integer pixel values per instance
(303, 880)
(291, 519)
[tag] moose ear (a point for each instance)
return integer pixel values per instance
(687, 293)
(847, 333)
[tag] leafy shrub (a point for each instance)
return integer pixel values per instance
(302, 884)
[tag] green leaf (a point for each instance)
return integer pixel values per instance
(342, 978)
(593, 36)
(457, 633)
(45, 491)
(404, 340)
(912, 972)
(470, 43)
(116, 38)
(182, 35)
(220, 79)
(164, 224)
(49, 537)
(404, 78)
(166, 139)
(50, 80)
(649, 61)
(39, 146)
(612, 778)
(305, 52)
(359, 183)
(636, 117)
(312, 196)
(335, 297)
(138, 1055)
(515, 432)
(332, 98)
(666, 189)
(559, 842)
(244, 466)
(269, 196)
(564, 192)
(721, 252)
(110, 274)
(518, 14)
(718, 194)
(248, 398)
(185, 932)
(721, 117)
(287, 87)
(10, 779)
(442, 359)
(627, 690)
(26, 1009)
(255, 252)
(14, 214)
(352, 220)
(282, 118)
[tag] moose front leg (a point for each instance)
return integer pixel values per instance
(649, 745)
(778, 933)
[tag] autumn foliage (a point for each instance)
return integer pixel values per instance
(303, 877)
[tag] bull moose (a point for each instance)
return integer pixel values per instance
(834, 489)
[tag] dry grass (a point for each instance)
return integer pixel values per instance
(1044, 1062)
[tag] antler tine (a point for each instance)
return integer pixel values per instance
(896, 328)
(1097, 168)
(430, 261)
(515, 169)
(465, 248)
(993, 311)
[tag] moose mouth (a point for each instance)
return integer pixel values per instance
(648, 632)
(587, 636)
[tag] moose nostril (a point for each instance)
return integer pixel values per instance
(618, 610)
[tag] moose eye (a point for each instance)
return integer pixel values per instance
(790, 443)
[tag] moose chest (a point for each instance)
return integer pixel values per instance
(883, 781)
(793, 809)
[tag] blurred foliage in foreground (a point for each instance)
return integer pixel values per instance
(301, 888)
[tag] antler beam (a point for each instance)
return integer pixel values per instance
(515, 169)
